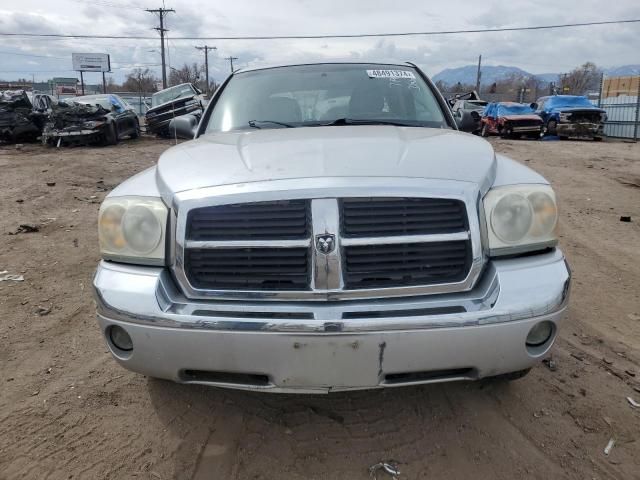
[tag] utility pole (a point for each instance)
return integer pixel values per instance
(206, 49)
(161, 14)
(231, 59)
(478, 75)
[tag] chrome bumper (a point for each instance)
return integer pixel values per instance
(328, 346)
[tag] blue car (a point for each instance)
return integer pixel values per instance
(571, 116)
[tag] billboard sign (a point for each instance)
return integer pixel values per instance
(91, 62)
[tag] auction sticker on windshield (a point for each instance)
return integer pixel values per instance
(390, 74)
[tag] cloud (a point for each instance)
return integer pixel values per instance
(535, 51)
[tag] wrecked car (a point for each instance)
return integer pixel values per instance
(287, 250)
(171, 103)
(17, 120)
(571, 116)
(511, 120)
(467, 109)
(90, 120)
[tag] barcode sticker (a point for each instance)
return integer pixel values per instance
(390, 74)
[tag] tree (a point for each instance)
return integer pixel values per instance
(140, 80)
(581, 80)
(515, 87)
(112, 86)
(187, 74)
(440, 85)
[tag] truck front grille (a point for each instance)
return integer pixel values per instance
(364, 247)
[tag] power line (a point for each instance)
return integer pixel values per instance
(32, 55)
(161, 14)
(108, 4)
(311, 37)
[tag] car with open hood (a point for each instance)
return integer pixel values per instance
(90, 120)
(18, 120)
(511, 120)
(467, 109)
(571, 116)
(328, 228)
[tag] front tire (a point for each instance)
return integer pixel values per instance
(552, 127)
(136, 130)
(484, 131)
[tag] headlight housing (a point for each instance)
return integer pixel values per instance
(520, 218)
(133, 230)
(92, 124)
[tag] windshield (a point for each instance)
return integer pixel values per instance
(173, 93)
(314, 95)
(104, 101)
(474, 104)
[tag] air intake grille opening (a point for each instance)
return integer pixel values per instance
(248, 268)
(406, 264)
(428, 376)
(381, 217)
(281, 220)
(207, 376)
(415, 312)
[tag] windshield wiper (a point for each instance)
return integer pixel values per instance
(256, 123)
(354, 121)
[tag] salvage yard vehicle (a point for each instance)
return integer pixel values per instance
(18, 123)
(281, 251)
(171, 103)
(571, 116)
(467, 109)
(511, 120)
(90, 120)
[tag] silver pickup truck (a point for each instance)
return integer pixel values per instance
(328, 228)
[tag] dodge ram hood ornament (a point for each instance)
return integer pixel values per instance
(325, 243)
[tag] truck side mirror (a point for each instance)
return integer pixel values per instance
(184, 126)
(534, 106)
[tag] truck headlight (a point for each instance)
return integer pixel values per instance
(133, 229)
(521, 218)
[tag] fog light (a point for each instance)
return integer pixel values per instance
(539, 334)
(120, 338)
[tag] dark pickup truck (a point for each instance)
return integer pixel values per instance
(170, 103)
(571, 116)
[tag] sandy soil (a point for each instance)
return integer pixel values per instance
(68, 411)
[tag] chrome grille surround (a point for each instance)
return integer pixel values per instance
(327, 282)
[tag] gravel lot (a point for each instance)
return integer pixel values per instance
(68, 411)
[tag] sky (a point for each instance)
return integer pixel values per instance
(536, 51)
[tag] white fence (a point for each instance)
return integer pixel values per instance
(622, 116)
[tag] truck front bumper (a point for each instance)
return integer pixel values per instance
(577, 129)
(318, 347)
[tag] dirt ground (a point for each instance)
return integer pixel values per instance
(68, 411)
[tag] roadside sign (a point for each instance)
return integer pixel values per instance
(91, 62)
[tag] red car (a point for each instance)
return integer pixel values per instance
(511, 120)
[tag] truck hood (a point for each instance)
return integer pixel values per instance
(237, 157)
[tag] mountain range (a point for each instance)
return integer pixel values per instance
(493, 73)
